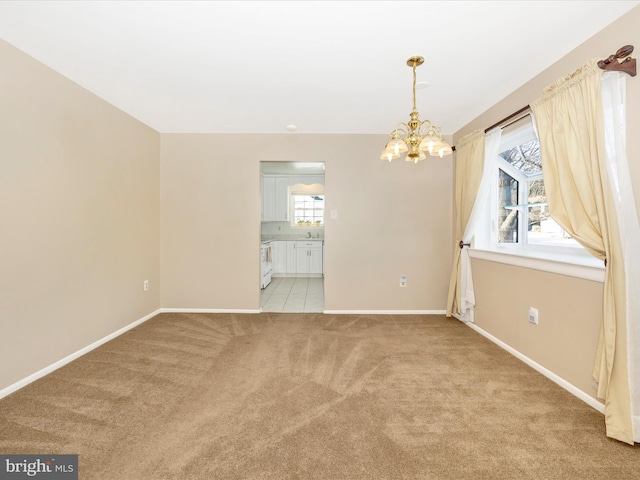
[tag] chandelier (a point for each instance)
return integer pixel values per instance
(416, 138)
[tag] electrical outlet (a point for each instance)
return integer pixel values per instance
(533, 315)
(145, 286)
(403, 280)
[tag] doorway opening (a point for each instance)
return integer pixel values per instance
(292, 236)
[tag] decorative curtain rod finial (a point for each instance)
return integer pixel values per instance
(628, 65)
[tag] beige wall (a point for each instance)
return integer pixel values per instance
(393, 219)
(564, 341)
(79, 210)
(570, 309)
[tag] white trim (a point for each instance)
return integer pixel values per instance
(585, 397)
(206, 310)
(465, 318)
(69, 358)
(578, 266)
(387, 312)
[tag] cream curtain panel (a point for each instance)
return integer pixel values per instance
(569, 122)
(469, 170)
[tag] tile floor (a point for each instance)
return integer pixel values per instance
(287, 294)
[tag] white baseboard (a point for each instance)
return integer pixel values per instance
(206, 310)
(69, 358)
(386, 312)
(585, 397)
(342, 312)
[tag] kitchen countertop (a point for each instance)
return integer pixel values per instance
(270, 238)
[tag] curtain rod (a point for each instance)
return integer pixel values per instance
(508, 117)
(499, 122)
(611, 63)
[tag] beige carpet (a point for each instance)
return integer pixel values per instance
(309, 396)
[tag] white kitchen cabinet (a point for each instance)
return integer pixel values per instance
(315, 260)
(309, 257)
(268, 199)
(275, 199)
(282, 199)
(279, 256)
(284, 257)
(302, 260)
(292, 260)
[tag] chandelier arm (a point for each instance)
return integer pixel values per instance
(402, 129)
(428, 125)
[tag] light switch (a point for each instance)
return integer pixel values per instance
(334, 214)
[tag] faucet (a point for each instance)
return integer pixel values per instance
(308, 234)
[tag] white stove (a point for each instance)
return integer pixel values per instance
(266, 257)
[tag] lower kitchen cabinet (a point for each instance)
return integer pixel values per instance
(309, 257)
(279, 263)
(304, 258)
(291, 257)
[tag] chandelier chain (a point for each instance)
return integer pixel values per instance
(414, 87)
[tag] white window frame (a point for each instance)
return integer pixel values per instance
(292, 207)
(565, 260)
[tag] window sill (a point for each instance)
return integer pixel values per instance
(579, 266)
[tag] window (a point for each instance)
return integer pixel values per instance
(515, 227)
(508, 216)
(308, 209)
(521, 213)
(523, 216)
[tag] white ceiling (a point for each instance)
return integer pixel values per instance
(328, 67)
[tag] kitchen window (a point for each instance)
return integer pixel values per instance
(308, 209)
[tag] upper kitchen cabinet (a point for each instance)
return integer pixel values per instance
(275, 198)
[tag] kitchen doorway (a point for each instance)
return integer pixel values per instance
(292, 237)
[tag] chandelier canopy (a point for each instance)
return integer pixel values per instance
(416, 138)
